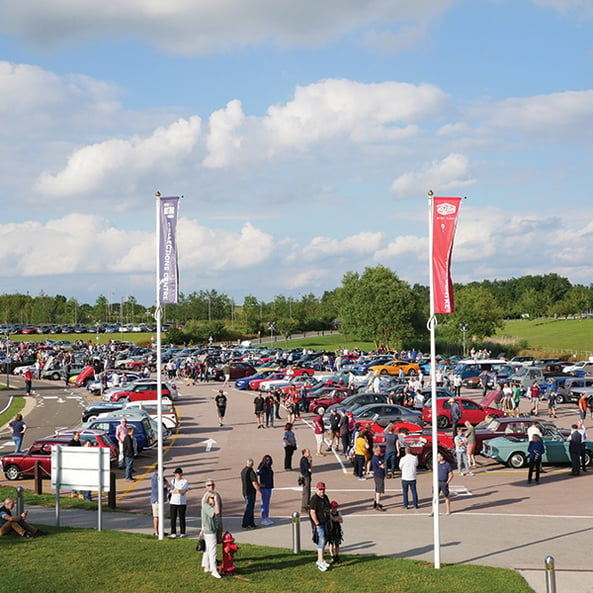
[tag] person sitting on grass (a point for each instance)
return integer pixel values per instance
(16, 523)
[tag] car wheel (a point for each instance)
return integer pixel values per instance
(320, 409)
(55, 376)
(12, 472)
(442, 422)
(383, 371)
(588, 457)
(517, 460)
(428, 462)
(123, 399)
(308, 372)
(411, 373)
(560, 399)
(91, 418)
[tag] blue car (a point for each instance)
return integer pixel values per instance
(243, 382)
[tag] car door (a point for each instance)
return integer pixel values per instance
(471, 411)
(556, 448)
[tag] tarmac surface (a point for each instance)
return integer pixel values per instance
(497, 520)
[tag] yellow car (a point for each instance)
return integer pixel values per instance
(392, 368)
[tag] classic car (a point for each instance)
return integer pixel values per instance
(470, 410)
(512, 450)
(394, 367)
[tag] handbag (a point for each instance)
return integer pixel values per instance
(201, 545)
(301, 481)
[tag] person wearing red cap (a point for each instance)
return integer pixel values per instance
(319, 511)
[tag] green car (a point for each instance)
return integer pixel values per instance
(512, 451)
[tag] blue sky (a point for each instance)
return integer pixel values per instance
(303, 136)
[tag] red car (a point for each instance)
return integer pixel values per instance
(23, 464)
(420, 444)
(334, 396)
(470, 410)
(142, 389)
(379, 430)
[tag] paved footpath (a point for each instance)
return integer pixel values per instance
(497, 519)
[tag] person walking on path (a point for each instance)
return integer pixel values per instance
(28, 377)
(320, 515)
(178, 488)
(250, 488)
(378, 467)
(18, 428)
(221, 402)
(445, 475)
(535, 450)
(306, 468)
(408, 465)
(259, 409)
(319, 430)
(265, 474)
(209, 515)
(290, 444)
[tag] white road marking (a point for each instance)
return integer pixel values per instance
(208, 444)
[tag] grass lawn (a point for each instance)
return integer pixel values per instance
(86, 561)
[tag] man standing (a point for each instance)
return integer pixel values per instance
(319, 511)
(120, 434)
(28, 376)
(445, 475)
(259, 406)
(378, 467)
(226, 371)
(391, 442)
(221, 401)
(18, 428)
(535, 393)
(130, 447)
(154, 498)
(455, 415)
(334, 427)
(574, 448)
(250, 486)
(408, 465)
(306, 474)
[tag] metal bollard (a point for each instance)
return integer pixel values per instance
(296, 532)
(550, 575)
(20, 503)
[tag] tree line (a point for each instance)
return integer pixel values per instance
(374, 305)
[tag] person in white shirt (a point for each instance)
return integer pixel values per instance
(534, 429)
(418, 400)
(408, 465)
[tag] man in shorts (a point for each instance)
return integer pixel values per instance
(259, 409)
(445, 474)
(319, 510)
(154, 498)
(220, 400)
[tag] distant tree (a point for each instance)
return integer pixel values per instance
(377, 306)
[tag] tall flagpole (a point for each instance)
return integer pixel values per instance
(157, 317)
(432, 323)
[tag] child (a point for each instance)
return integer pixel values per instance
(335, 534)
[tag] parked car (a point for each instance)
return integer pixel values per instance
(384, 413)
(169, 417)
(17, 465)
(96, 438)
(318, 405)
(524, 361)
(238, 370)
(142, 389)
(394, 367)
(144, 434)
(420, 444)
(512, 450)
(470, 410)
(355, 401)
(566, 388)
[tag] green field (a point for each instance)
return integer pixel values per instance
(86, 561)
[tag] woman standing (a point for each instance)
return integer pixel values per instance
(210, 514)
(290, 445)
(178, 487)
(18, 430)
(266, 484)
(470, 435)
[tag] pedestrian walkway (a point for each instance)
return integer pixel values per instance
(466, 538)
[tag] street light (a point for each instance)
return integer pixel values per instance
(463, 327)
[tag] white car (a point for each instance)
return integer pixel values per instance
(168, 412)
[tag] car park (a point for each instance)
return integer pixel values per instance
(470, 410)
(512, 450)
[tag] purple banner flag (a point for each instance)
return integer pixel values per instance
(168, 272)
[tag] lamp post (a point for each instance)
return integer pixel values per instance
(463, 327)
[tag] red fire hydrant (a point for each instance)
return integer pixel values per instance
(229, 547)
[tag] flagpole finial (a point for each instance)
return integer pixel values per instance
(158, 194)
(430, 193)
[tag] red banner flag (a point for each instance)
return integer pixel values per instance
(444, 221)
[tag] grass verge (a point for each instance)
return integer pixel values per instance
(88, 561)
